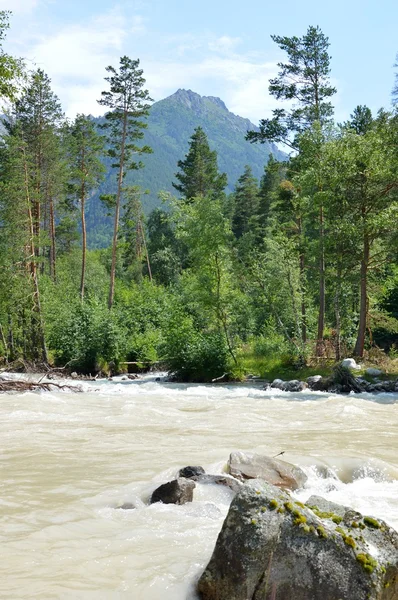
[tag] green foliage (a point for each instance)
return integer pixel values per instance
(128, 105)
(303, 80)
(246, 201)
(171, 122)
(192, 355)
(11, 69)
(198, 175)
(87, 337)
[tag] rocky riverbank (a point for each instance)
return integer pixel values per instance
(341, 381)
(272, 547)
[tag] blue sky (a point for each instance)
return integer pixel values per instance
(214, 47)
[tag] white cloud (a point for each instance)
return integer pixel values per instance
(76, 55)
(224, 44)
(75, 58)
(19, 6)
(138, 25)
(240, 82)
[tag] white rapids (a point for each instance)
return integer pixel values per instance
(69, 460)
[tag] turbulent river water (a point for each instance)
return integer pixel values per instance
(67, 461)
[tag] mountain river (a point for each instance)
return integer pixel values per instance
(67, 461)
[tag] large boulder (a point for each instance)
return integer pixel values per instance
(178, 491)
(350, 363)
(273, 548)
(294, 385)
(243, 466)
(198, 474)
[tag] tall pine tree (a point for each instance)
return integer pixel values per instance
(128, 104)
(85, 148)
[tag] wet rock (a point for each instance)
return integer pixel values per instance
(226, 480)
(272, 470)
(289, 386)
(273, 548)
(74, 375)
(341, 381)
(314, 379)
(295, 386)
(325, 506)
(198, 474)
(278, 384)
(191, 472)
(178, 491)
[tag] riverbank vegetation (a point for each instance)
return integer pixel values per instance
(289, 273)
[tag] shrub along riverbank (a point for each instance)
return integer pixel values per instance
(286, 273)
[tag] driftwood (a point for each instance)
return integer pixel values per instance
(10, 385)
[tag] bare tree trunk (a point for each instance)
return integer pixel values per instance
(117, 214)
(4, 342)
(363, 310)
(302, 286)
(222, 317)
(84, 240)
(337, 314)
(146, 252)
(53, 273)
(303, 307)
(320, 349)
(38, 325)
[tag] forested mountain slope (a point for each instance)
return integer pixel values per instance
(170, 126)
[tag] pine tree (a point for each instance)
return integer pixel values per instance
(38, 114)
(198, 175)
(303, 80)
(20, 288)
(85, 147)
(129, 106)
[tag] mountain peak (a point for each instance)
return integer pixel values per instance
(192, 99)
(187, 97)
(217, 101)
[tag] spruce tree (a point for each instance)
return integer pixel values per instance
(133, 232)
(244, 219)
(268, 186)
(128, 105)
(360, 121)
(198, 175)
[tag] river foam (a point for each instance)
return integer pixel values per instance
(69, 460)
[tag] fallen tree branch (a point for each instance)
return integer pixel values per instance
(9, 385)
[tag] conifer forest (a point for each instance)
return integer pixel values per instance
(290, 271)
